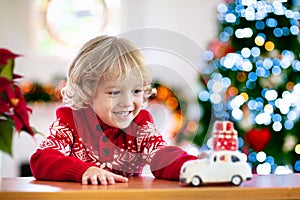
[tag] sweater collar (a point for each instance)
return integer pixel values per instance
(98, 125)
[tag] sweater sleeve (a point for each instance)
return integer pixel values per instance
(167, 162)
(53, 160)
(50, 164)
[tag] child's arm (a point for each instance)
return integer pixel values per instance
(50, 164)
(165, 161)
(53, 160)
(168, 161)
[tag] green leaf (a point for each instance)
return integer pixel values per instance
(7, 70)
(6, 135)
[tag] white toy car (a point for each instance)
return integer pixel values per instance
(220, 166)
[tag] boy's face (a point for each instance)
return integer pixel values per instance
(117, 103)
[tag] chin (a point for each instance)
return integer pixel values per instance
(122, 126)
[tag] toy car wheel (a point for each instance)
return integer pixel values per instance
(236, 180)
(196, 181)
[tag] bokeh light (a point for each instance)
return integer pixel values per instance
(261, 88)
(269, 46)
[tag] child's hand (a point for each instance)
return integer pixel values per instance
(95, 175)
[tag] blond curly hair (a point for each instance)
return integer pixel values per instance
(104, 56)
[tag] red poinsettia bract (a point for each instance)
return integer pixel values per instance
(20, 110)
(14, 113)
(6, 55)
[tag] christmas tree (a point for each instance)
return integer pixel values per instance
(253, 80)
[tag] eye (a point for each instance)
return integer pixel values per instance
(137, 91)
(114, 93)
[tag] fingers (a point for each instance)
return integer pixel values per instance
(99, 176)
(84, 180)
(106, 180)
(111, 179)
(121, 179)
(94, 179)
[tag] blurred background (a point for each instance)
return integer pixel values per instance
(210, 60)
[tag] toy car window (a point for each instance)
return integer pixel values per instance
(215, 158)
(235, 159)
(222, 158)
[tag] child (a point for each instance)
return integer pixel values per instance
(104, 135)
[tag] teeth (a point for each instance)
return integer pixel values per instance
(122, 114)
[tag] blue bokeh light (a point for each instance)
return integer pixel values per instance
(260, 25)
(270, 160)
(240, 142)
(297, 165)
(276, 118)
(276, 70)
(278, 32)
(252, 157)
(255, 51)
(208, 55)
(228, 30)
(252, 76)
(296, 65)
(203, 96)
(250, 85)
(294, 30)
(271, 22)
(267, 63)
(285, 31)
(288, 125)
(224, 36)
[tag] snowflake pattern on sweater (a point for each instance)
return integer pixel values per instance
(136, 150)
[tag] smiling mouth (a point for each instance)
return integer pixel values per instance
(122, 113)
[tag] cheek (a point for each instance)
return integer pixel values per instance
(102, 105)
(103, 111)
(139, 101)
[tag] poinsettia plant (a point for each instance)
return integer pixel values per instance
(14, 113)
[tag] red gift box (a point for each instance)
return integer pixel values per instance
(225, 137)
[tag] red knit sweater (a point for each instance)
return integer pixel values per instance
(79, 139)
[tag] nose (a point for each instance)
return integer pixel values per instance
(125, 99)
